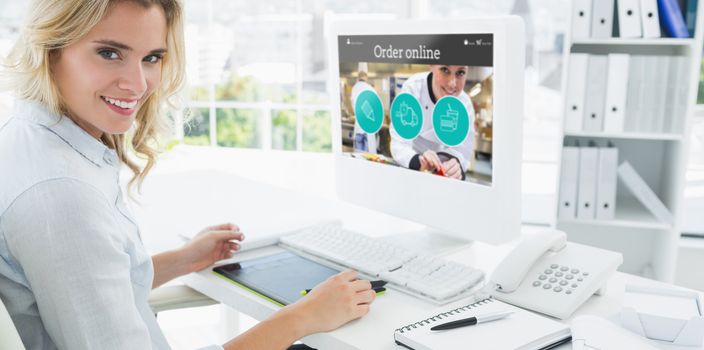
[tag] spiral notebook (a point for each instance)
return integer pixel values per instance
(520, 330)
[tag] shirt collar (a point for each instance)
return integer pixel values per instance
(82, 142)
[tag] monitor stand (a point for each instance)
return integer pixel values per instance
(428, 241)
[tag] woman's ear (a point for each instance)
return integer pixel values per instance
(54, 56)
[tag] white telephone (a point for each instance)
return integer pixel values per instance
(547, 274)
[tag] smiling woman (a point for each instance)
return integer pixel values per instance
(74, 273)
(134, 54)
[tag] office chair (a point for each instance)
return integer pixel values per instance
(9, 338)
(174, 297)
(161, 299)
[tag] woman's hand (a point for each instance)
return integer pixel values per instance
(212, 244)
(333, 303)
(452, 168)
(429, 161)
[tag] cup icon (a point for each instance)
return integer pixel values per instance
(449, 121)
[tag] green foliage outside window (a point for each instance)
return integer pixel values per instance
(238, 127)
(241, 127)
(283, 130)
(196, 131)
(316, 132)
(700, 94)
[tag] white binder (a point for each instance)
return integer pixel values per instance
(661, 85)
(681, 98)
(596, 93)
(673, 87)
(616, 90)
(606, 184)
(586, 192)
(629, 19)
(649, 18)
(634, 99)
(644, 193)
(569, 180)
(581, 18)
(602, 18)
(576, 90)
(648, 94)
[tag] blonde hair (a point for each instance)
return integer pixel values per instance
(54, 24)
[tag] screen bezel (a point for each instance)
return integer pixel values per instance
(469, 211)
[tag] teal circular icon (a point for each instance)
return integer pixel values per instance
(450, 121)
(368, 111)
(406, 116)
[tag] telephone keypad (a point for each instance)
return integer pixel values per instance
(564, 278)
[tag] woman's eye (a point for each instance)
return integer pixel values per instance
(108, 54)
(153, 58)
(461, 73)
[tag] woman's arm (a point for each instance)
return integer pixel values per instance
(333, 303)
(210, 245)
(65, 237)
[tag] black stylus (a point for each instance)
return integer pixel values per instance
(493, 316)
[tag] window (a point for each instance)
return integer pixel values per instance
(258, 71)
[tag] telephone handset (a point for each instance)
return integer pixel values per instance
(547, 274)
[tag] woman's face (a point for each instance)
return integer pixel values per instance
(448, 80)
(107, 75)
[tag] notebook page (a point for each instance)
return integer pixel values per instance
(520, 330)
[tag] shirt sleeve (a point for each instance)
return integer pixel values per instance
(63, 234)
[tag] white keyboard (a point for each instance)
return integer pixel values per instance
(430, 278)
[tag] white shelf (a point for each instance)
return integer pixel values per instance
(692, 243)
(643, 239)
(637, 42)
(629, 214)
(627, 135)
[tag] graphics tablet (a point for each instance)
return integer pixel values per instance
(279, 278)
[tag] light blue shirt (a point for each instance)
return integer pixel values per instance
(74, 273)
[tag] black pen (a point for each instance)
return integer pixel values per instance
(493, 316)
(378, 291)
(376, 285)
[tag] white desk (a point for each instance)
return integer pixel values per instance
(206, 197)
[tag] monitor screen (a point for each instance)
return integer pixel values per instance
(420, 102)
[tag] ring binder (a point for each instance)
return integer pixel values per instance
(442, 315)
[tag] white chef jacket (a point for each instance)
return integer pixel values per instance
(404, 150)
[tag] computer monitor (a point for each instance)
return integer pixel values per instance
(427, 122)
